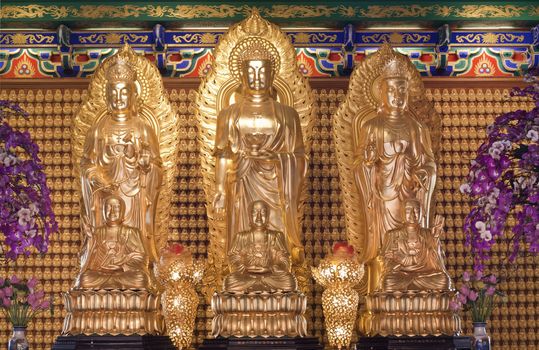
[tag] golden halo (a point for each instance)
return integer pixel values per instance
(247, 47)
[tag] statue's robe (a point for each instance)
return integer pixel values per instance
(125, 250)
(413, 266)
(388, 172)
(279, 183)
(271, 254)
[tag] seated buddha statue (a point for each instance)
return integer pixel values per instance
(116, 256)
(412, 255)
(259, 258)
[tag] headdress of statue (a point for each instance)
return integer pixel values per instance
(120, 72)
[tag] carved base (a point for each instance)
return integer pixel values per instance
(117, 342)
(259, 314)
(411, 313)
(442, 342)
(272, 343)
(112, 312)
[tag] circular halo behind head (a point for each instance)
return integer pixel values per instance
(253, 48)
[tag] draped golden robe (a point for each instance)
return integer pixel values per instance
(394, 161)
(278, 183)
(117, 260)
(271, 253)
(111, 155)
(413, 264)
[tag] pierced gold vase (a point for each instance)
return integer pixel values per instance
(339, 275)
(178, 274)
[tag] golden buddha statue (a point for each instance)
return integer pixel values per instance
(260, 153)
(259, 258)
(387, 170)
(255, 117)
(412, 255)
(124, 148)
(121, 156)
(116, 256)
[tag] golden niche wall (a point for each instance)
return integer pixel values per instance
(465, 113)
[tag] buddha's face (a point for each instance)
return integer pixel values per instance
(257, 76)
(411, 212)
(113, 211)
(395, 93)
(259, 214)
(121, 96)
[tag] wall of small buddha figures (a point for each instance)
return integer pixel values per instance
(466, 108)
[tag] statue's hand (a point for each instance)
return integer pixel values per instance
(219, 205)
(144, 162)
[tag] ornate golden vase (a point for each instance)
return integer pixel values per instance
(339, 274)
(178, 274)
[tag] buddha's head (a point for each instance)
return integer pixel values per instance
(256, 76)
(394, 88)
(412, 211)
(121, 90)
(114, 210)
(259, 214)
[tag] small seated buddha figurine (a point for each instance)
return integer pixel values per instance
(412, 255)
(259, 258)
(116, 256)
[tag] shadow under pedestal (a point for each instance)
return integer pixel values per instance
(442, 342)
(270, 343)
(113, 342)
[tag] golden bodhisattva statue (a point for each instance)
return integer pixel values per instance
(121, 156)
(259, 258)
(124, 150)
(255, 114)
(388, 174)
(412, 255)
(394, 162)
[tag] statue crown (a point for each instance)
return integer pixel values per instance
(120, 71)
(394, 69)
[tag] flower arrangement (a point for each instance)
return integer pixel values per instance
(503, 180)
(478, 295)
(21, 301)
(26, 215)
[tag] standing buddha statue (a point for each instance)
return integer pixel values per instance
(260, 152)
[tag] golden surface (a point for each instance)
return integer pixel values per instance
(259, 258)
(466, 112)
(410, 313)
(412, 255)
(147, 192)
(126, 151)
(112, 311)
(178, 275)
(392, 162)
(246, 314)
(255, 149)
(373, 205)
(339, 274)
